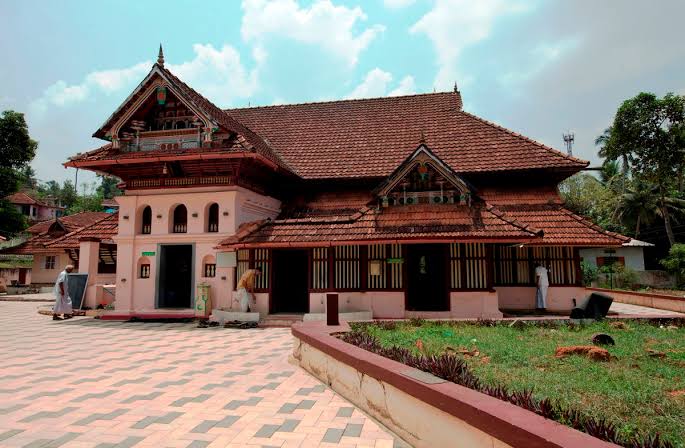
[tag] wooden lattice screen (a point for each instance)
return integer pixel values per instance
(468, 266)
(347, 267)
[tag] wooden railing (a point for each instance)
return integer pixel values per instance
(180, 182)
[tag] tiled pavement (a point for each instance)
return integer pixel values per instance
(89, 383)
(637, 310)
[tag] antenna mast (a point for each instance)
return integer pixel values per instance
(569, 138)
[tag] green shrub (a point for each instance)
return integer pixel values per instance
(675, 262)
(589, 271)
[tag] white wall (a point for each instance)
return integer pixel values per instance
(634, 256)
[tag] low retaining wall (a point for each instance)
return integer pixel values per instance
(660, 301)
(424, 410)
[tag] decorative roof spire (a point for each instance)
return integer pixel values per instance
(422, 138)
(456, 89)
(160, 56)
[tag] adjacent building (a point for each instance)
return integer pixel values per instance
(34, 209)
(404, 206)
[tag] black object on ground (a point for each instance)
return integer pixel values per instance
(596, 307)
(602, 339)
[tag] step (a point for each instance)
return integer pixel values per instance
(280, 320)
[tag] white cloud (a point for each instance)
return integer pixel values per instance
(377, 82)
(322, 23)
(396, 4)
(541, 56)
(406, 87)
(219, 74)
(453, 25)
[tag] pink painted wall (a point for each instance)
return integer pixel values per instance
(10, 274)
(236, 206)
(390, 305)
(559, 298)
(48, 276)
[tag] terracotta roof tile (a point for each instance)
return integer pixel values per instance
(70, 222)
(413, 222)
(105, 229)
(53, 230)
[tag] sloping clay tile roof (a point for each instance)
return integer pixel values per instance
(70, 222)
(371, 137)
(38, 243)
(415, 222)
(105, 230)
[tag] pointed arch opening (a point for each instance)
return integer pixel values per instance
(179, 219)
(213, 217)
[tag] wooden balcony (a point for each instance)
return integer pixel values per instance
(176, 182)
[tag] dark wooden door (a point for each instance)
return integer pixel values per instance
(427, 277)
(22, 276)
(290, 289)
(175, 286)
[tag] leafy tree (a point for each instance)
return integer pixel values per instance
(675, 262)
(27, 178)
(86, 203)
(648, 134)
(17, 149)
(587, 196)
(108, 187)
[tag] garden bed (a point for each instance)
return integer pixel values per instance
(637, 398)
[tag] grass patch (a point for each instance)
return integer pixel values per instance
(639, 394)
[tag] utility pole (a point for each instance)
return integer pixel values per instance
(569, 138)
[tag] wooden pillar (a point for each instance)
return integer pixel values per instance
(332, 317)
(490, 266)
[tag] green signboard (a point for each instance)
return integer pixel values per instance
(395, 260)
(148, 254)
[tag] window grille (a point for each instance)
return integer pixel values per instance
(210, 270)
(512, 266)
(263, 262)
(468, 266)
(562, 266)
(146, 224)
(243, 265)
(50, 262)
(347, 267)
(180, 219)
(377, 267)
(395, 270)
(144, 271)
(319, 280)
(213, 218)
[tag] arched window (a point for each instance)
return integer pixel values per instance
(146, 221)
(180, 219)
(213, 218)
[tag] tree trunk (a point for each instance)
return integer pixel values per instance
(667, 223)
(637, 226)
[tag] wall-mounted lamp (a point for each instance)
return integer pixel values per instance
(159, 216)
(223, 277)
(194, 215)
(123, 280)
(165, 170)
(225, 213)
(125, 217)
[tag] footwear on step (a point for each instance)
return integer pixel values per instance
(56, 317)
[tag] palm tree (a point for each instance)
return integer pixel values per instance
(640, 204)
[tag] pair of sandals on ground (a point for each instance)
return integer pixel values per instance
(65, 316)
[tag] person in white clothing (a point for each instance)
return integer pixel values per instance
(62, 299)
(542, 285)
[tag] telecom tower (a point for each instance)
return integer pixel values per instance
(569, 138)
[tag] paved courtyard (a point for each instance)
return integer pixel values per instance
(89, 383)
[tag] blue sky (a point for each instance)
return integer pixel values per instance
(537, 67)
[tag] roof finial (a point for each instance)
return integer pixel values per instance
(422, 138)
(160, 56)
(456, 89)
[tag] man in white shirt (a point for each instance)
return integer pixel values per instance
(542, 285)
(62, 299)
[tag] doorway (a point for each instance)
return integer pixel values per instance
(22, 275)
(289, 288)
(427, 277)
(175, 281)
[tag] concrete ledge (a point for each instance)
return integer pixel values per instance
(349, 316)
(659, 301)
(424, 410)
(230, 316)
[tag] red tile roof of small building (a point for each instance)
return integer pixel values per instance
(23, 198)
(60, 227)
(70, 222)
(104, 230)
